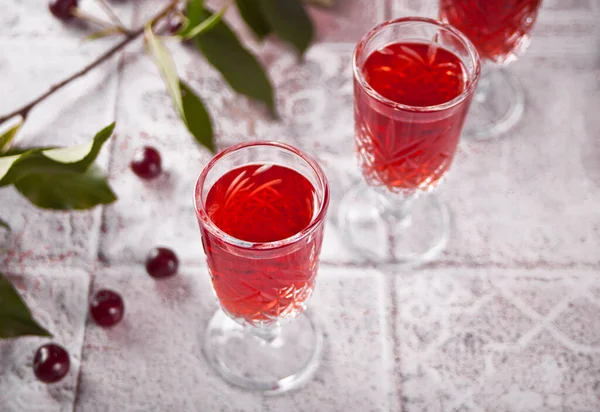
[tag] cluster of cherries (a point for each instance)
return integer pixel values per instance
(51, 362)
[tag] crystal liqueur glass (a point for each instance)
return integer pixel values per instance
(414, 79)
(261, 209)
(500, 30)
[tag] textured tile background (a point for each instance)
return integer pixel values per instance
(505, 320)
(484, 339)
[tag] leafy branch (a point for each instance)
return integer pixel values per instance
(213, 38)
(67, 179)
(24, 110)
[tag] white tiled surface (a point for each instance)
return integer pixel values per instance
(505, 320)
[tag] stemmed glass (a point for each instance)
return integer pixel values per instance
(261, 285)
(500, 30)
(405, 149)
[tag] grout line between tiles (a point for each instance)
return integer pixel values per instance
(111, 144)
(388, 344)
(539, 265)
(388, 269)
(78, 380)
(120, 66)
(387, 10)
(396, 352)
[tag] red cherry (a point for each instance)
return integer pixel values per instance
(146, 163)
(51, 363)
(62, 8)
(107, 308)
(175, 24)
(161, 263)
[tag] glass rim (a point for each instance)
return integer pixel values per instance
(469, 90)
(202, 215)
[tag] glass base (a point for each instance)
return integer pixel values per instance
(497, 105)
(273, 362)
(386, 232)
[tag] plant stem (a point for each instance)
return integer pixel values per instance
(24, 110)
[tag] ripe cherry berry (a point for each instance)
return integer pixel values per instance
(107, 308)
(175, 24)
(62, 8)
(51, 363)
(161, 263)
(146, 163)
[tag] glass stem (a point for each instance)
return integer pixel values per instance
(268, 334)
(483, 87)
(395, 208)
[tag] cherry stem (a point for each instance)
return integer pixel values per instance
(129, 37)
(80, 14)
(112, 16)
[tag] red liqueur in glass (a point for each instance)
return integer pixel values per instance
(401, 147)
(499, 29)
(261, 207)
(262, 203)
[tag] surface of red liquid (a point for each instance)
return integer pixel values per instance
(403, 148)
(415, 74)
(499, 29)
(262, 203)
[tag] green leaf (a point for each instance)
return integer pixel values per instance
(188, 106)
(209, 23)
(35, 161)
(253, 17)
(239, 67)
(195, 13)
(289, 21)
(67, 191)
(165, 64)
(7, 137)
(6, 164)
(5, 225)
(15, 316)
(196, 117)
(20, 150)
(79, 158)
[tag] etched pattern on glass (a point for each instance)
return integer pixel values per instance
(402, 164)
(500, 30)
(278, 289)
